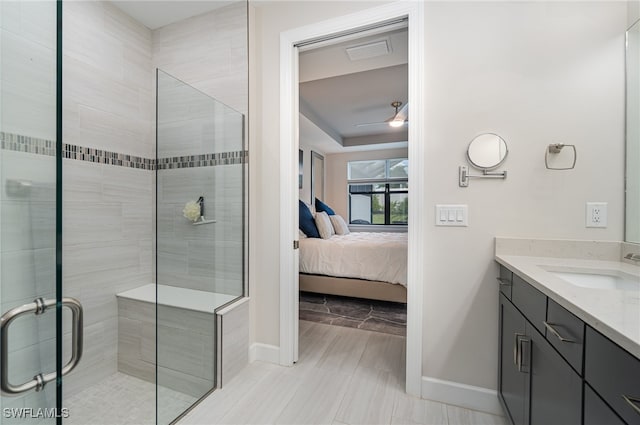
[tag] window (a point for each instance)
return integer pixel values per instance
(378, 191)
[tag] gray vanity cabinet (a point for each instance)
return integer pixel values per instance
(553, 369)
(614, 374)
(556, 389)
(536, 385)
(513, 381)
(596, 411)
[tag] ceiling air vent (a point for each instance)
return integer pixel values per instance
(369, 50)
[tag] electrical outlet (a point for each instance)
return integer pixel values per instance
(596, 214)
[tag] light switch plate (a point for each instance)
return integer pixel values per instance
(596, 214)
(452, 215)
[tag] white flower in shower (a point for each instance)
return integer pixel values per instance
(191, 211)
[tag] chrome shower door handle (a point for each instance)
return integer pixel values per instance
(38, 307)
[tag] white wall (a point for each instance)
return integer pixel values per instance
(535, 73)
(337, 196)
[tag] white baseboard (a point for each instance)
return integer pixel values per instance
(264, 353)
(468, 396)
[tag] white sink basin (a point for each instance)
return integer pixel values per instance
(599, 279)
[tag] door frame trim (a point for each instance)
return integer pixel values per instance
(289, 145)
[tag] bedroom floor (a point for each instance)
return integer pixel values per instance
(379, 316)
(343, 376)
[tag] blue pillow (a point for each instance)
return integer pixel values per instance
(307, 223)
(321, 206)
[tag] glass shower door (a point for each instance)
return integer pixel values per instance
(28, 82)
(200, 236)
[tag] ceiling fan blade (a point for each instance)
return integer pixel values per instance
(368, 124)
(403, 113)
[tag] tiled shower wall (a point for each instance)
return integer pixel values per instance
(109, 105)
(191, 124)
(209, 52)
(108, 210)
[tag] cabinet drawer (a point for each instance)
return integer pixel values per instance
(614, 374)
(566, 333)
(596, 411)
(531, 302)
(505, 280)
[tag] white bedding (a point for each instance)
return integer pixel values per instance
(360, 255)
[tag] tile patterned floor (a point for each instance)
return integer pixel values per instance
(123, 399)
(343, 376)
(380, 316)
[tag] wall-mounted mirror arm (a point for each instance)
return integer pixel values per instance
(464, 176)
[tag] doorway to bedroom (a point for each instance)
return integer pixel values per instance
(366, 200)
(354, 180)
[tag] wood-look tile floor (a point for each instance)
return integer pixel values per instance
(343, 376)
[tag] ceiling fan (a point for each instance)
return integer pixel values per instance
(398, 119)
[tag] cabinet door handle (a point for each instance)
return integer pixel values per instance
(554, 331)
(633, 402)
(503, 281)
(521, 366)
(516, 347)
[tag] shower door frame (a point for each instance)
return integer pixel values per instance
(59, 226)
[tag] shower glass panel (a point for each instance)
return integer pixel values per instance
(632, 198)
(28, 81)
(200, 215)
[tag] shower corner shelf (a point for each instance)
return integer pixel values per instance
(203, 221)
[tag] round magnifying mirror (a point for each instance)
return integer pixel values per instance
(487, 151)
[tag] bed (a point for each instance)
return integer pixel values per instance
(359, 264)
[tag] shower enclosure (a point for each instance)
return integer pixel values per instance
(113, 261)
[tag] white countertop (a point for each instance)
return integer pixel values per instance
(614, 313)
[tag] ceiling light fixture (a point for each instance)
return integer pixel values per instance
(398, 119)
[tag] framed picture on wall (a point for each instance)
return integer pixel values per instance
(317, 176)
(300, 163)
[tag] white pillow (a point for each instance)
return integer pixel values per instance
(339, 225)
(301, 234)
(323, 223)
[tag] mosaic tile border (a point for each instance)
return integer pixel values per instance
(19, 143)
(204, 160)
(106, 157)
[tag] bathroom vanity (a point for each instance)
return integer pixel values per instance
(569, 333)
